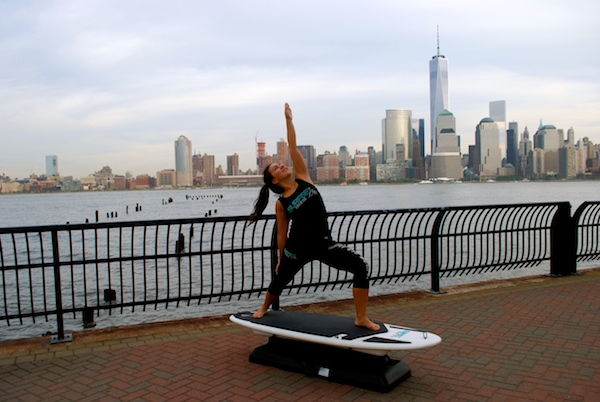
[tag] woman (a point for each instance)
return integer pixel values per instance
(309, 236)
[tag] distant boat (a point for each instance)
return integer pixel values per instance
(363, 183)
(425, 182)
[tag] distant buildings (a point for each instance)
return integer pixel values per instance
(166, 178)
(549, 153)
(360, 169)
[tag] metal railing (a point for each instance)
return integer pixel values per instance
(54, 271)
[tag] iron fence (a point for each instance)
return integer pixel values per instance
(53, 271)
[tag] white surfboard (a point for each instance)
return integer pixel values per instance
(337, 331)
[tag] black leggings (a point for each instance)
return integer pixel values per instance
(335, 255)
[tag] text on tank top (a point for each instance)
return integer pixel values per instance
(307, 213)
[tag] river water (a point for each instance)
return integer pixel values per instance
(60, 208)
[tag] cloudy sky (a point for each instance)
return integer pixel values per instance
(116, 82)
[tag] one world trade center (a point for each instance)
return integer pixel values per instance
(438, 91)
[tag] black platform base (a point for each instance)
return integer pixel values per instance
(378, 373)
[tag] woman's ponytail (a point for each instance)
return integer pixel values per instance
(260, 204)
(263, 198)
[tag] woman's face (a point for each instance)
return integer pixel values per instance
(279, 172)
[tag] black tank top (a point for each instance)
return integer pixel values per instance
(308, 216)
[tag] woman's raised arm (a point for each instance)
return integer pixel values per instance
(300, 168)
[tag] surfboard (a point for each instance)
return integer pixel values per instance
(336, 331)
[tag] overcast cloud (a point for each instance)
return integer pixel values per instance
(117, 82)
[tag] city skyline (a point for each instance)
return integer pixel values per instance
(379, 147)
(96, 87)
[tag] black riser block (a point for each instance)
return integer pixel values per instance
(378, 373)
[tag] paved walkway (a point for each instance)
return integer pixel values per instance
(526, 339)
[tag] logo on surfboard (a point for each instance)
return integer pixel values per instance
(401, 334)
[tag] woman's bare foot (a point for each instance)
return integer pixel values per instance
(365, 322)
(259, 313)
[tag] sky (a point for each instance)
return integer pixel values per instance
(114, 82)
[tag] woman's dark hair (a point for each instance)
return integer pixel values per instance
(263, 197)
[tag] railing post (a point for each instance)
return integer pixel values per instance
(60, 336)
(274, 260)
(435, 253)
(576, 222)
(563, 242)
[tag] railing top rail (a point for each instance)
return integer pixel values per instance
(183, 221)
(585, 206)
(521, 205)
(105, 225)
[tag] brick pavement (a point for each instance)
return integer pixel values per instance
(526, 339)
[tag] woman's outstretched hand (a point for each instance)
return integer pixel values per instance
(288, 112)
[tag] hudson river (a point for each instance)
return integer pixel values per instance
(112, 206)
(60, 208)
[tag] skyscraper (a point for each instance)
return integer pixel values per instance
(550, 141)
(512, 144)
(345, 158)
(233, 165)
(525, 147)
(488, 149)
(372, 163)
(262, 159)
(570, 137)
(438, 90)
(310, 156)
(51, 165)
(282, 153)
(208, 176)
(183, 162)
(498, 114)
(397, 129)
(445, 158)
(418, 129)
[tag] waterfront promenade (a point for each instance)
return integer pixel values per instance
(534, 338)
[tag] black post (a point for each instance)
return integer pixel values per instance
(57, 286)
(563, 242)
(435, 253)
(274, 260)
(180, 244)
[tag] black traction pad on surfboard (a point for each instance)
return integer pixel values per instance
(314, 324)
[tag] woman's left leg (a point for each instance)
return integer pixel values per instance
(269, 299)
(341, 257)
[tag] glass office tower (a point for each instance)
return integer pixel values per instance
(396, 130)
(183, 162)
(51, 165)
